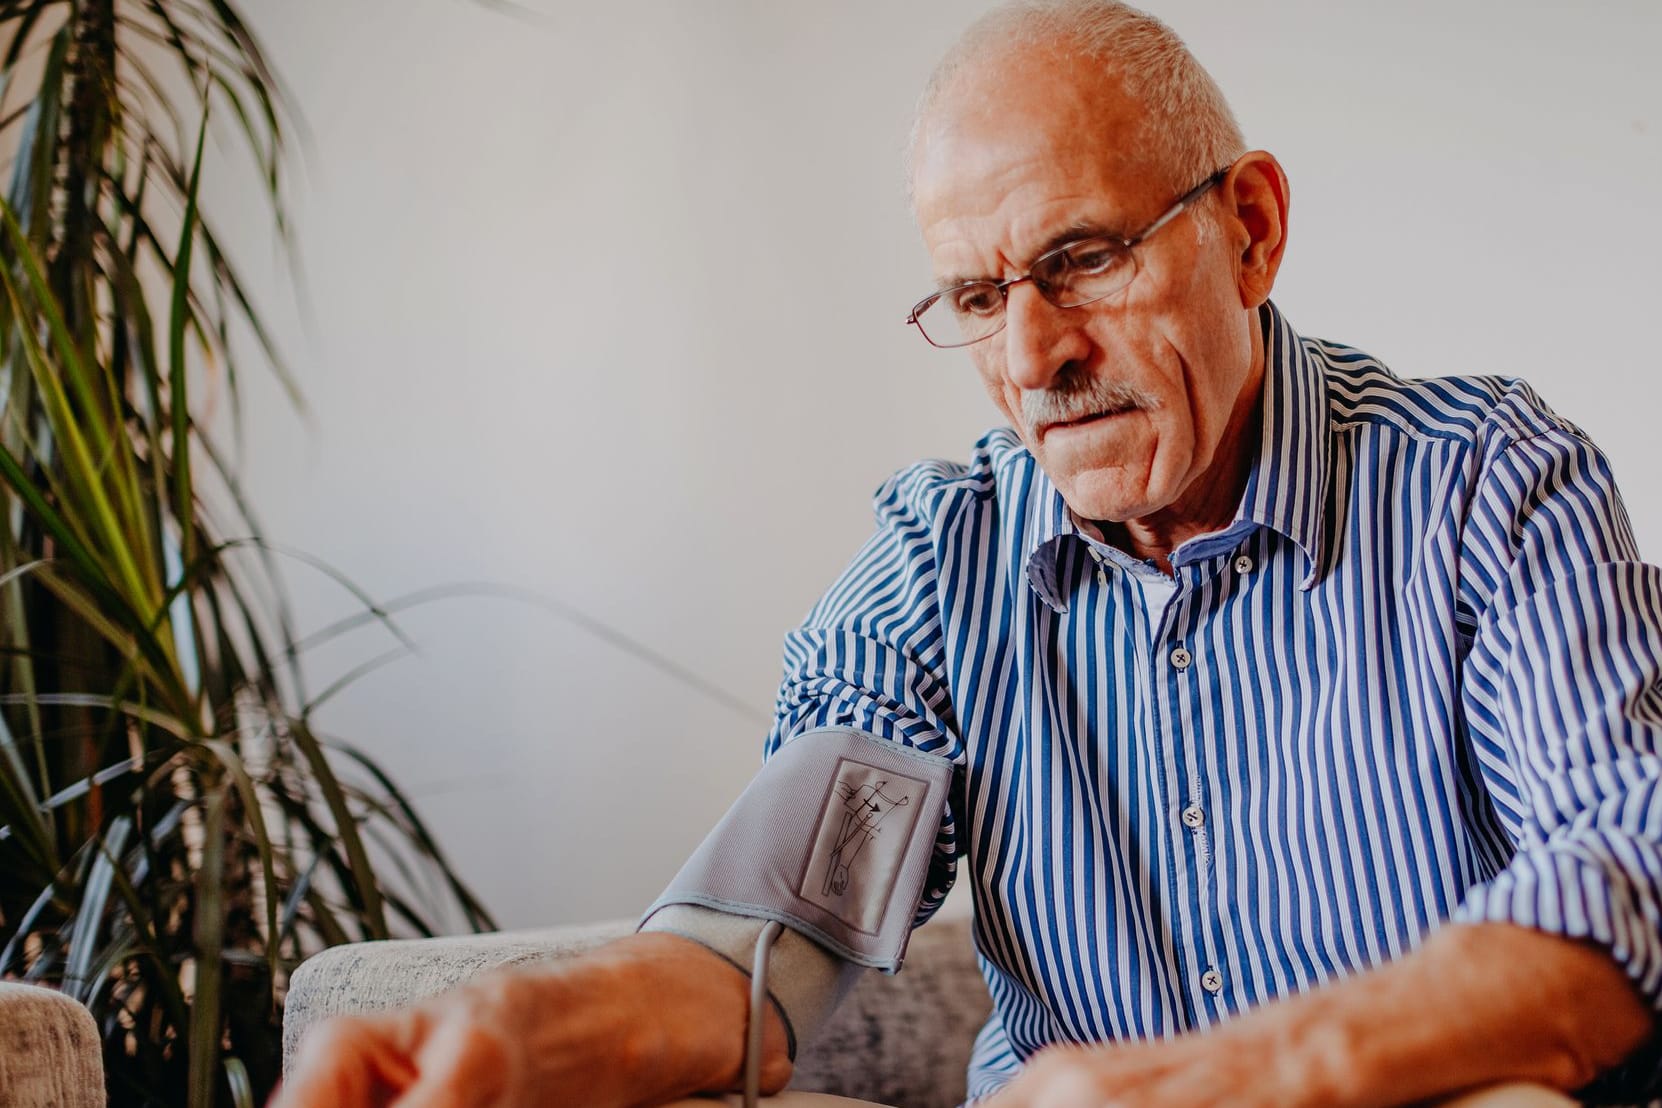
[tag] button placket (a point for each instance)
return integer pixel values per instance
(1174, 703)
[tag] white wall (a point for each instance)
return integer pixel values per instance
(607, 307)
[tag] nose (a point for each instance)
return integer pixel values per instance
(1040, 339)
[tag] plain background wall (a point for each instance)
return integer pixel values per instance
(606, 305)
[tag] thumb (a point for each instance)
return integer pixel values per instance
(462, 1065)
(353, 1062)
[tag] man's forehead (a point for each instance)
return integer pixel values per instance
(1023, 142)
(973, 250)
(987, 199)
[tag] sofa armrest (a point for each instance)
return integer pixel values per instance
(904, 1040)
(873, 1048)
(49, 1050)
(371, 977)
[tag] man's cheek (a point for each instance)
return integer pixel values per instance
(1004, 396)
(1170, 452)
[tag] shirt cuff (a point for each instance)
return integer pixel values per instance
(1598, 886)
(805, 981)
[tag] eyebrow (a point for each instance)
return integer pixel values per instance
(1073, 232)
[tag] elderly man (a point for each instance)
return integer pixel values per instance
(1302, 720)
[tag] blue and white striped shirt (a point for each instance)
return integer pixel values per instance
(1416, 679)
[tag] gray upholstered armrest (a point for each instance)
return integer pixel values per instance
(368, 977)
(49, 1050)
(902, 1040)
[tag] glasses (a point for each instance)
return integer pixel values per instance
(1072, 275)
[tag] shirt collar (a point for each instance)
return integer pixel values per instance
(1286, 489)
(1049, 527)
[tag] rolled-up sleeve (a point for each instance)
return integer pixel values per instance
(869, 656)
(1562, 696)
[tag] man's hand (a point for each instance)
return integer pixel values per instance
(644, 1020)
(1193, 1069)
(1475, 1006)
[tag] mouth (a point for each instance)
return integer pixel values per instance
(1089, 420)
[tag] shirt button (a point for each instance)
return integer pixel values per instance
(1243, 564)
(1181, 658)
(1212, 981)
(1193, 816)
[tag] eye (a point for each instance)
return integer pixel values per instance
(976, 300)
(1092, 256)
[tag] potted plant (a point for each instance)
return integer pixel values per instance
(175, 834)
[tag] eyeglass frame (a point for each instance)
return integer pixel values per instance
(1003, 287)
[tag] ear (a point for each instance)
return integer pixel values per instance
(1256, 192)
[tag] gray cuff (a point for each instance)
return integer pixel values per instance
(833, 838)
(805, 981)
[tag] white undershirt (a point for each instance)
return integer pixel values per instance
(1157, 590)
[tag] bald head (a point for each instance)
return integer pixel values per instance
(1179, 126)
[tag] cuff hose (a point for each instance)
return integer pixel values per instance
(753, 1024)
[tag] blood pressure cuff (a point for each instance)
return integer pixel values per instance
(832, 838)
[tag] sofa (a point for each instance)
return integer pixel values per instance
(903, 1040)
(49, 1050)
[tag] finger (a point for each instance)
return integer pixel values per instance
(1057, 1077)
(351, 1062)
(461, 1066)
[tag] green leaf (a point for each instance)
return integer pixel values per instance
(9, 957)
(32, 166)
(20, 805)
(362, 886)
(209, 934)
(89, 916)
(76, 790)
(264, 846)
(106, 529)
(353, 675)
(478, 917)
(242, 1089)
(177, 396)
(26, 14)
(14, 475)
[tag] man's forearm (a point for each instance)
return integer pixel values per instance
(1476, 1005)
(692, 1028)
(645, 1020)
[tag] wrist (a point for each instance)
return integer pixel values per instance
(1340, 1051)
(1314, 1055)
(688, 1013)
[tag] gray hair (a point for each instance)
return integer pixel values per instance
(1187, 124)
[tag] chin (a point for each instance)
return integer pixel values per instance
(1113, 501)
(1124, 480)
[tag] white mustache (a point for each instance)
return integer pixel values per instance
(1091, 396)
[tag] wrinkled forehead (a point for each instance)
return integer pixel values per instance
(1023, 144)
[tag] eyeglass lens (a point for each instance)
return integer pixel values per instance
(1069, 277)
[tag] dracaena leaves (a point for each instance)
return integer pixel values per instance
(174, 832)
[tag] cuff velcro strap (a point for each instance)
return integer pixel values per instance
(832, 839)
